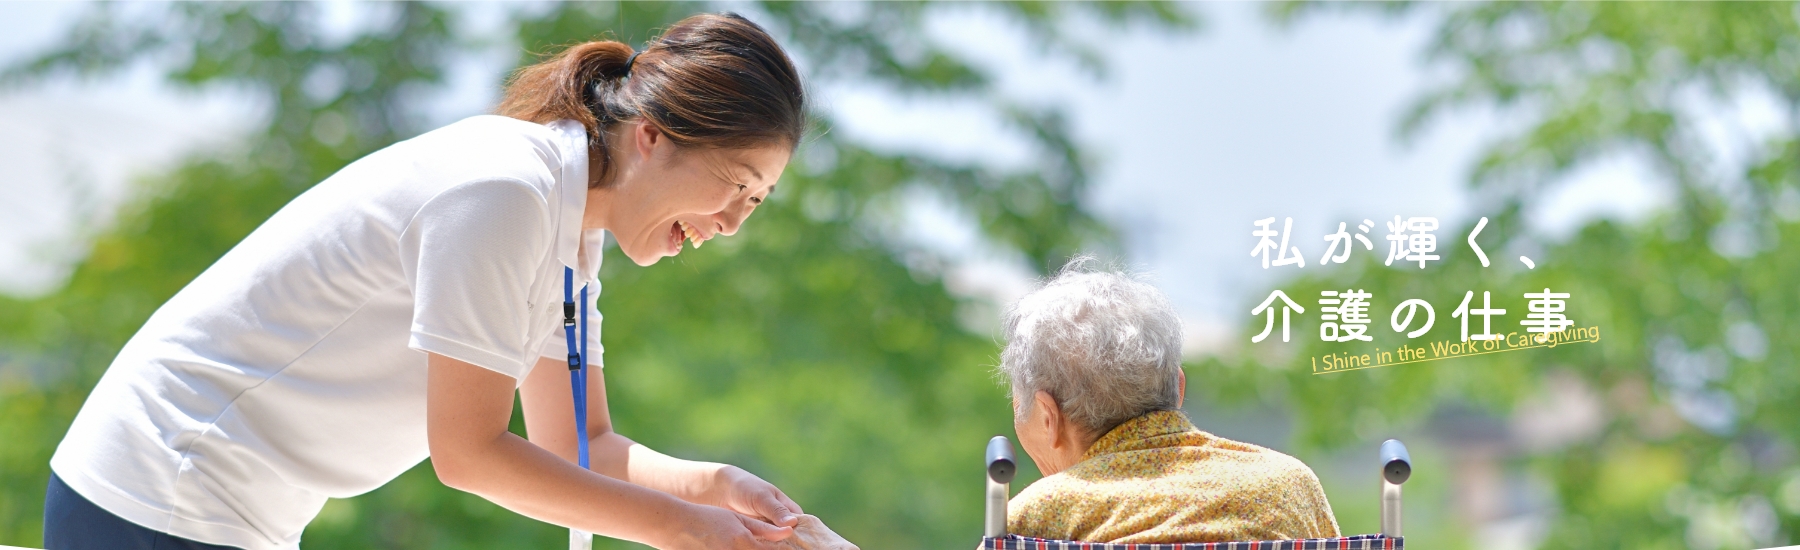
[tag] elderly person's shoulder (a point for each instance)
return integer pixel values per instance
(1158, 479)
(1198, 453)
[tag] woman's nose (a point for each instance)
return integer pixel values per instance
(728, 221)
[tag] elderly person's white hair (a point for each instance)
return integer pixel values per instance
(1105, 344)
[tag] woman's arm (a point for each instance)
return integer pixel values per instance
(468, 409)
(550, 423)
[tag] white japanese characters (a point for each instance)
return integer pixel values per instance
(1409, 240)
(1288, 306)
(1415, 234)
(1284, 254)
(1410, 307)
(1343, 237)
(1546, 313)
(1345, 315)
(1487, 312)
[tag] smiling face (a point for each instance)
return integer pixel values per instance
(663, 194)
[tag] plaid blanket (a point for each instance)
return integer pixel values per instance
(1359, 542)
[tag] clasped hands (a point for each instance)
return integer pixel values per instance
(749, 513)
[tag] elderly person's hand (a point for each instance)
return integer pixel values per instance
(812, 534)
(715, 528)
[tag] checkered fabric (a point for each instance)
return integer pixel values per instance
(1359, 542)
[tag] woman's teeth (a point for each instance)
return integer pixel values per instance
(693, 235)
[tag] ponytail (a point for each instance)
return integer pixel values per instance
(563, 87)
(711, 80)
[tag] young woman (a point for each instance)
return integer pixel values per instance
(390, 313)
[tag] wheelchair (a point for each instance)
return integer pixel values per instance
(1396, 467)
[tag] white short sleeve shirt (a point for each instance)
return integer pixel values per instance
(293, 370)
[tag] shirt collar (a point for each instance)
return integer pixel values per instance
(1141, 432)
(572, 139)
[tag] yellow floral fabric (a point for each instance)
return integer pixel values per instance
(1158, 479)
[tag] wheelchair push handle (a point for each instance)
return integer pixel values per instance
(1396, 464)
(1396, 467)
(1000, 463)
(1000, 470)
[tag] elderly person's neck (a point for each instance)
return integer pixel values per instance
(1053, 440)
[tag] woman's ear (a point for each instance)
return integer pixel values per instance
(645, 137)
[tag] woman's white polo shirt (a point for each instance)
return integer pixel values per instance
(293, 370)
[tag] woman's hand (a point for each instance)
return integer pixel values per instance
(715, 528)
(747, 494)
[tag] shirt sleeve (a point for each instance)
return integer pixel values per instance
(472, 254)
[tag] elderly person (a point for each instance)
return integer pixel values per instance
(1094, 360)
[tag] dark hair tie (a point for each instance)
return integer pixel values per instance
(631, 61)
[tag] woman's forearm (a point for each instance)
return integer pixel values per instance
(619, 457)
(550, 419)
(524, 478)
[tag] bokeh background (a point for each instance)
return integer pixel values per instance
(1643, 154)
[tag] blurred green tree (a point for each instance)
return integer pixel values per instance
(817, 349)
(1695, 372)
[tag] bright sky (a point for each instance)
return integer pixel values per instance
(1197, 138)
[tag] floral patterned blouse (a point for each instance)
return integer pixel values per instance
(1158, 479)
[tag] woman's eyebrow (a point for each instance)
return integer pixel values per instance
(752, 169)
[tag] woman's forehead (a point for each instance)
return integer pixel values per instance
(754, 166)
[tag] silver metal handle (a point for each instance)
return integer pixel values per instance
(1396, 468)
(1000, 470)
(1390, 509)
(995, 524)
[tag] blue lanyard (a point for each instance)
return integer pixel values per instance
(577, 360)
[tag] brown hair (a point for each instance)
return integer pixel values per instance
(711, 80)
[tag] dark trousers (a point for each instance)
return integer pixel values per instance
(71, 522)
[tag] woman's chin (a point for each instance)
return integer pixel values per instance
(643, 259)
(646, 261)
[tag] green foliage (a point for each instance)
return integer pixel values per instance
(813, 349)
(1681, 299)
